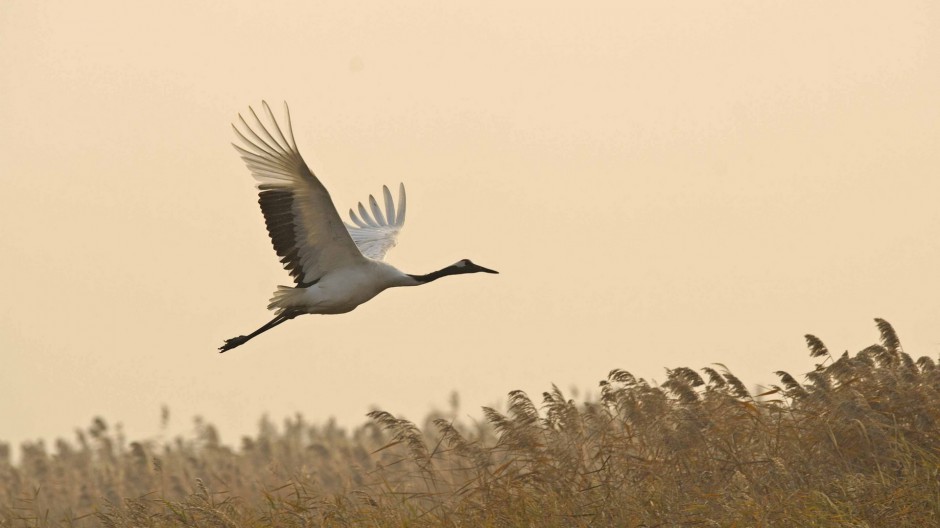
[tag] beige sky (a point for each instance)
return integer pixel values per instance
(660, 184)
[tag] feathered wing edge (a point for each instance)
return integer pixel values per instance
(303, 223)
(375, 234)
(391, 217)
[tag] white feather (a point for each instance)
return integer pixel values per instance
(372, 239)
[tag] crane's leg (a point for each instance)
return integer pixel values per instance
(241, 340)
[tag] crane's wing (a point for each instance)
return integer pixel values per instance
(305, 228)
(376, 235)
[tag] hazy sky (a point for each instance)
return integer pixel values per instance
(660, 184)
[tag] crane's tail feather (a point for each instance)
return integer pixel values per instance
(286, 298)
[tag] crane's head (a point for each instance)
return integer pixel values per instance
(467, 266)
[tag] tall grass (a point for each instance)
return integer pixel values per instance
(854, 442)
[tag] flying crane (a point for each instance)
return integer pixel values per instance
(336, 266)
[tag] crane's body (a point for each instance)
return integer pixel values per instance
(342, 290)
(336, 266)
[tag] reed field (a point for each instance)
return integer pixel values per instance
(855, 442)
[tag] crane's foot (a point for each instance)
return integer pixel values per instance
(232, 343)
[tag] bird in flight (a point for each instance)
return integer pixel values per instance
(336, 266)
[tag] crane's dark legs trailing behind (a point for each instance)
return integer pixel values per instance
(241, 340)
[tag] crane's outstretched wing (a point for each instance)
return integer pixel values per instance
(375, 236)
(305, 228)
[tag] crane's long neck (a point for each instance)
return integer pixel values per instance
(464, 266)
(434, 275)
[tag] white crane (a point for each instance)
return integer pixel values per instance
(336, 266)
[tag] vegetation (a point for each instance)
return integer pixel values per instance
(856, 443)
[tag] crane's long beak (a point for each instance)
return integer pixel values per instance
(486, 270)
